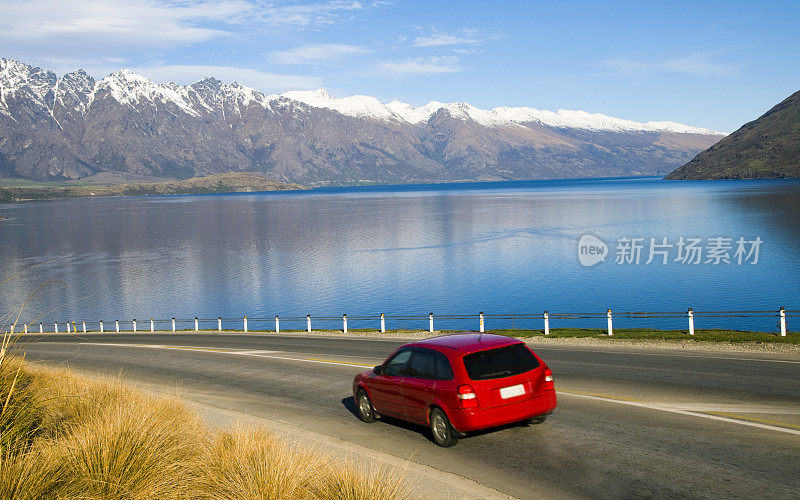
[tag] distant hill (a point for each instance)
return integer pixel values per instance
(69, 127)
(766, 148)
(235, 182)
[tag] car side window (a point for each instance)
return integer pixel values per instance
(396, 365)
(422, 365)
(443, 369)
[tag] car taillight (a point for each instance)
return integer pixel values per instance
(467, 396)
(548, 379)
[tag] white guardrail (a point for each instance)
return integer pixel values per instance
(171, 324)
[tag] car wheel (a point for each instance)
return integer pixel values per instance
(364, 408)
(441, 430)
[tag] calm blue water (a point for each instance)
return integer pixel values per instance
(448, 249)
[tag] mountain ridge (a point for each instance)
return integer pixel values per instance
(72, 126)
(765, 148)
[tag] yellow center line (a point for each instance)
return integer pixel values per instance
(179, 348)
(202, 349)
(337, 362)
(751, 419)
(600, 395)
(247, 353)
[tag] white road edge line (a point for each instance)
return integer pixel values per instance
(655, 406)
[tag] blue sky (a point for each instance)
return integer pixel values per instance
(707, 64)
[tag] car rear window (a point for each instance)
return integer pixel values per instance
(500, 362)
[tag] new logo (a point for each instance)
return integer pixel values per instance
(591, 250)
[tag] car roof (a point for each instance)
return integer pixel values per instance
(466, 342)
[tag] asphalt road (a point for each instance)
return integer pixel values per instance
(629, 423)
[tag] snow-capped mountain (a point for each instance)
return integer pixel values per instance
(68, 127)
(361, 106)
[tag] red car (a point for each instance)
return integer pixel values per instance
(458, 383)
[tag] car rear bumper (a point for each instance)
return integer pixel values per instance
(473, 419)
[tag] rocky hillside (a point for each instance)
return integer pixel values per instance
(768, 147)
(72, 126)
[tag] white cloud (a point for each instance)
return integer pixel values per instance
(695, 64)
(265, 82)
(698, 64)
(316, 53)
(423, 65)
(439, 38)
(309, 14)
(134, 23)
(110, 26)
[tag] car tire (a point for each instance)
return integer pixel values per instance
(442, 431)
(364, 408)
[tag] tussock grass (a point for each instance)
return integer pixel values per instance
(21, 410)
(68, 436)
(150, 452)
(353, 482)
(251, 463)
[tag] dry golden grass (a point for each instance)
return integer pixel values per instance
(94, 438)
(351, 482)
(32, 474)
(252, 463)
(142, 447)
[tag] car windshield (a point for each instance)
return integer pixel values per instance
(499, 363)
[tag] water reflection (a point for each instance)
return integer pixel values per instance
(447, 248)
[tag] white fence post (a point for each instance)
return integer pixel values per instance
(277, 324)
(134, 326)
(67, 326)
(173, 324)
(101, 327)
(308, 323)
(481, 321)
(691, 321)
(55, 327)
(152, 325)
(84, 327)
(245, 324)
(610, 328)
(383, 323)
(782, 313)
(116, 325)
(219, 323)
(41, 328)
(430, 322)
(546, 323)
(26, 327)
(344, 323)
(196, 324)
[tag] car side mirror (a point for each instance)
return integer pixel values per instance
(378, 370)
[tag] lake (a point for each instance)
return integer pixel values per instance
(502, 248)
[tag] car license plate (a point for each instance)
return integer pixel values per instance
(512, 391)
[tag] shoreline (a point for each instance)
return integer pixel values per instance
(791, 348)
(236, 182)
(41, 191)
